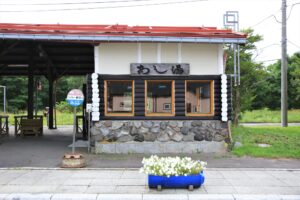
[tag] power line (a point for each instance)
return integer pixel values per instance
(266, 18)
(298, 3)
(273, 15)
(103, 7)
(292, 1)
(70, 3)
(293, 44)
(275, 59)
(261, 50)
(267, 46)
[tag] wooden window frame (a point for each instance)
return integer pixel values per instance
(106, 113)
(172, 99)
(212, 98)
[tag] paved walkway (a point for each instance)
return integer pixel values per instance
(97, 182)
(228, 177)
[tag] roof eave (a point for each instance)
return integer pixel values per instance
(103, 38)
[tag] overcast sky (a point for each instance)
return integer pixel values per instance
(253, 13)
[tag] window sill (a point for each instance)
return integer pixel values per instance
(119, 114)
(199, 115)
(160, 115)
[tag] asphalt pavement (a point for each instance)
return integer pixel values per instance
(47, 151)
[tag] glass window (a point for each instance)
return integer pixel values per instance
(159, 98)
(119, 98)
(199, 97)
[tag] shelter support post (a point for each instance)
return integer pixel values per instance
(51, 76)
(51, 101)
(30, 101)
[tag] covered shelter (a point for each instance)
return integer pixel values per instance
(30, 56)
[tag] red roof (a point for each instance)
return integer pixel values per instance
(118, 30)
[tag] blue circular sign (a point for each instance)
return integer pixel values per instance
(75, 98)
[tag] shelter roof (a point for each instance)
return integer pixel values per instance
(119, 33)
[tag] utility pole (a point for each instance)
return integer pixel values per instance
(284, 96)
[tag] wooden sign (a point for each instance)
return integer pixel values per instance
(159, 69)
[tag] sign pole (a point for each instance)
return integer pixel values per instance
(89, 131)
(74, 131)
(88, 112)
(74, 160)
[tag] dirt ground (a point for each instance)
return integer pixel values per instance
(48, 150)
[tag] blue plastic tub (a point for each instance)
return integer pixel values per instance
(176, 181)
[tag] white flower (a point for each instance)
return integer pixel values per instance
(171, 166)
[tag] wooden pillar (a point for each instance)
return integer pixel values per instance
(51, 78)
(30, 85)
(51, 100)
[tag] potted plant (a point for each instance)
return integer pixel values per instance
(173, 172)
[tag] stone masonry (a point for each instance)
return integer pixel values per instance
(120, 131)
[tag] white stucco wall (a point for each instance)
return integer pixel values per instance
(115, 58)
(169, 53)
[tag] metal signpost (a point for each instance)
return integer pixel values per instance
(89, 110)
(74, 160)
(75, 98)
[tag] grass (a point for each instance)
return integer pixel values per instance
(270, 116)
(62, 118)
(263, 115)
(285, 142)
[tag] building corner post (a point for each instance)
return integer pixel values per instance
(96, 59)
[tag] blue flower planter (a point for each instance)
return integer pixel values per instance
(190, 181)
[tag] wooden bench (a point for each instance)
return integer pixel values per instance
(31, 127)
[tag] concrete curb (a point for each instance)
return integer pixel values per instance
(28, 196)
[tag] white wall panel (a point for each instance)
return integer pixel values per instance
(115, 58)
(203, 58)
(149, 53)
(168, 53)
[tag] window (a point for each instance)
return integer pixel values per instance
(199, 98)
(119, 98)
(159, 99)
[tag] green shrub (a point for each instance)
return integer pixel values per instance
(64, 107)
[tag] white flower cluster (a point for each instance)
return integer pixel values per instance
(171, 166)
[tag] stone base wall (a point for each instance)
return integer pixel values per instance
(161, 131)
(160, 147)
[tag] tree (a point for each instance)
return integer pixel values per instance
(16, 92)
(271, 98)
(16, 87)
(65, 84)
(252, 75)
(294, 80)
